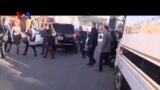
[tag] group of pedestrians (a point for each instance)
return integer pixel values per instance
(107, 49)
(10, 33)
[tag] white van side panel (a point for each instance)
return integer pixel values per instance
(148, 44)
(130, 75)
(144, 40)
(142, 33)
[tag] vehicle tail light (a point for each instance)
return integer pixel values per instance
(75, 37)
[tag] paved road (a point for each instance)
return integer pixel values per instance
(67, 72)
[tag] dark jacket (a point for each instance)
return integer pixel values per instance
(50, 37)
(82, 35)
(4, 29)
(93, 37)
(9, 32)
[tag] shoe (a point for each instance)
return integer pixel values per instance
(17, 53)
(83, 57)
(105, 64)
(100, 70)
(24, 54)
(44, 57)
(52, 57)
(94, 62)
(89, 64)
(35, 55)
(42, 53)
(112, 66)
(7, 51)
(3, 56)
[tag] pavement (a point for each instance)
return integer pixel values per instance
(68, 71)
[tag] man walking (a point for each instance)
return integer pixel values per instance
(3, 37)
(82, 35)
(45, 38)
(10, 35)
(92, 43)
(105, 50)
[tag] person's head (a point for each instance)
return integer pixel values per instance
(42, 25)
(93, 24)
(5, 20)
(80, 28)
(105, 28)
(50, 26)
(45, 26)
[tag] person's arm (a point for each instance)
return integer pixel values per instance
(104, 41)
(90, 37)
(93, 37)
(33, 34)
(8, 31)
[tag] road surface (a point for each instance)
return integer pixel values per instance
(68, 71)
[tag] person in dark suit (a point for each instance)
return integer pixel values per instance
(10, 38)
(92, 43)
(4, 31)
(82, 36)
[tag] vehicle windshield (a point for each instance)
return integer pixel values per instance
(64, 28)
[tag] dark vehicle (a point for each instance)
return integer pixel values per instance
(67, 37)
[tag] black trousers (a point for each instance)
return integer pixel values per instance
(9, 42)
(82, 46)
(90, 53)
(33, 47)
(104, 56)
(2, 45)
(50, 48)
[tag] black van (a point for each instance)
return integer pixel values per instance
(67, 38)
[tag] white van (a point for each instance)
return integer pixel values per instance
(138, 55)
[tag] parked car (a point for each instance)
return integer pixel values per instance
(66, 36)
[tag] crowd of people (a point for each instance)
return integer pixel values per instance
(107, 49)
(11, 34)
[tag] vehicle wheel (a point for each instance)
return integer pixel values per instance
(119, 81)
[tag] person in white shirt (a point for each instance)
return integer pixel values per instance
(16, 36)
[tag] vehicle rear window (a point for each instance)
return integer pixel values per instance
(64, 28)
